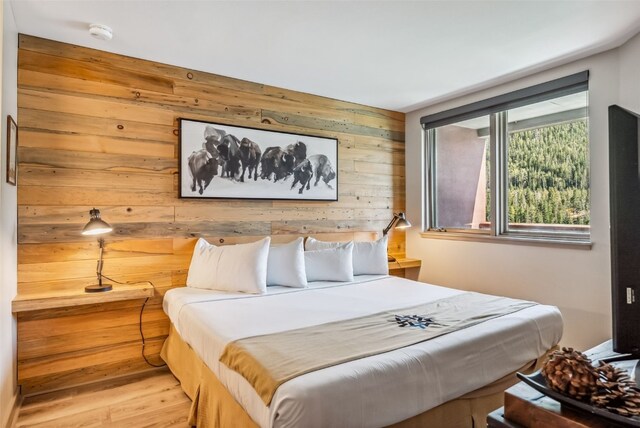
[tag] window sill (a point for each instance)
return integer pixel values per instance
(560, 242)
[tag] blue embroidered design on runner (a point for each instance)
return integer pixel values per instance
(414, 321)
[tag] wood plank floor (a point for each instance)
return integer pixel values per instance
(151, 399)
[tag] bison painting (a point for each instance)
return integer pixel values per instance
(229, 149)
(250, 154)
(322, 169)
(225, 161)
(302, 174)
(203, 166)
(317, 165)
(277, 163)
(211, 132)
(298, 151)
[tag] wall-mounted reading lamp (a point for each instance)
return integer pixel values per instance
(97, 226)
(400, 222)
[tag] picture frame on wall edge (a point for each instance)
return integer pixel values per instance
(12, 150)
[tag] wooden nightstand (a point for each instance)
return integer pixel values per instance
(68, 337)
(405, 268)
(77, 297)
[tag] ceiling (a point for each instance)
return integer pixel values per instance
(391, 54)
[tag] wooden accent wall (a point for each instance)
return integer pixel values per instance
(100, 130)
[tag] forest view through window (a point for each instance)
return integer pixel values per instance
(520, 168)
(548, 165)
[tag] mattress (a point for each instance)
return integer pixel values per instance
(375, 391)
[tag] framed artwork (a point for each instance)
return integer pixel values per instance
(224, 161)
(12, 150)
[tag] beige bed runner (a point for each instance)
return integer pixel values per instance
(270, 360)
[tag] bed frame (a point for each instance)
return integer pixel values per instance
(214, 407)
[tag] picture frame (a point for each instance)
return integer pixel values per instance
(12, 150)
(221, 161)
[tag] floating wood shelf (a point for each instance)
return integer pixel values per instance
(405, 268)
(77, 297)
(405, 263)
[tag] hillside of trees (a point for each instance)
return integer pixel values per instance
(549, 175)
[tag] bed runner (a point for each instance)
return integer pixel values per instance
(269, 360)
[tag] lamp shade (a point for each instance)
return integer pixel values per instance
(402, 223)
(96, 225)
(399, 221)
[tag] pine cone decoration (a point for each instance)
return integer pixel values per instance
(616, 392)
(571, 373)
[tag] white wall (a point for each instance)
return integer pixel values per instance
(8, 220)
(577, 281)
(630, 75)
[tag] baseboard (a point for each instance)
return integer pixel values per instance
(15, 408)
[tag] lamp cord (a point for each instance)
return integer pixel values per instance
(140, 319)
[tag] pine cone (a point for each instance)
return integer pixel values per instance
(571, 373)
(615, 391)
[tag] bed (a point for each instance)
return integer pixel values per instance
(450, 380)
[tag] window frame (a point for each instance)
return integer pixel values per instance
(497, 108)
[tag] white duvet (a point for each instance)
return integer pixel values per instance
(373, 391)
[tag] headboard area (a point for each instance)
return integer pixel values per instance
(101, 130)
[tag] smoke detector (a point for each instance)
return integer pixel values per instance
(100, 31)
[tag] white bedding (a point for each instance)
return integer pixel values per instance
(373, 391)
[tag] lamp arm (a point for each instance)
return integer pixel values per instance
(100, 262)
(390, 225)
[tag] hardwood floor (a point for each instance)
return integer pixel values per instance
(152, 399)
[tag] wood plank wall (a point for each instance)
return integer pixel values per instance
(100, 130)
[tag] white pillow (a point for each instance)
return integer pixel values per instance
(286, 265)
(241, 267)
(314, 244)
(200, 273)
(331, 264)
(369, 257)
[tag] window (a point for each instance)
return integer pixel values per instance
(515, 166)
(462, 184)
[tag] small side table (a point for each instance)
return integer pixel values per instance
(524, 407)
(405, 268)
(496, 419)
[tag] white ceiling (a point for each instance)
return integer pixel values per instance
(391, 54)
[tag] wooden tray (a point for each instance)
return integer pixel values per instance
(539, 383)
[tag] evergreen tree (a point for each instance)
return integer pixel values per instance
(549, 175)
